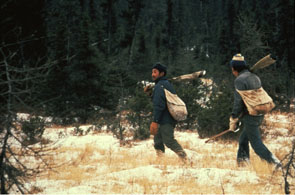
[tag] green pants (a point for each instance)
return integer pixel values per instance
(165, 136)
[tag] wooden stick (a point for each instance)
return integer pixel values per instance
(218, 135)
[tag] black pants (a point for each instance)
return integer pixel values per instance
(251, 133)
(165, 136)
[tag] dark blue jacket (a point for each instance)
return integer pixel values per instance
(245, 81)
(160, 112)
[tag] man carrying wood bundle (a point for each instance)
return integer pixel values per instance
(251, 102)
(163, 123)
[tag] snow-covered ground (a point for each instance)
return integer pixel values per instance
(97, 163)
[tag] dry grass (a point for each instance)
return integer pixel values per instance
(119, 160)
(280, 120)
(112, 170)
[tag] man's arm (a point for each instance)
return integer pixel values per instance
(159, 103)
(239, 106)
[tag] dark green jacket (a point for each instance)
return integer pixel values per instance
(160, 112)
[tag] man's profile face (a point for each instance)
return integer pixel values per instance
(235, 73)
(156, 74)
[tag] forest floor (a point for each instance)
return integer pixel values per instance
(97, 163)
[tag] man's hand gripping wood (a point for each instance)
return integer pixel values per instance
(234, 126)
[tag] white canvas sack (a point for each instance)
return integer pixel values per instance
(176, 106)
(257, 101)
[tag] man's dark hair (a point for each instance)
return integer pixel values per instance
(240, 68)
(160, 67)
(238, 63)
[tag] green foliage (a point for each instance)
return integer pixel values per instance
(121, 39)
(191, 93)
(92, 42)
(33, 129)
(78, 131)
(81, 80)
(277, 88)
(251, 39)
(214, 118)
(140, 106)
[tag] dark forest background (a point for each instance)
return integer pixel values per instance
(70, 58)
(82, 61)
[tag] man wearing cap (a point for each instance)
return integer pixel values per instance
(245, 80)
(163, 124)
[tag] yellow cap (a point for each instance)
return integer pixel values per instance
(238, 57)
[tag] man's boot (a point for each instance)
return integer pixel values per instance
(182, 155)
(160, 153)
(243, 162)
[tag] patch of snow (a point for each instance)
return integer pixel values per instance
(137, 173)
(22, 117)
(103, 141)
(214, 175)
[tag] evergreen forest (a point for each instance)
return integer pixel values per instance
(76, 59)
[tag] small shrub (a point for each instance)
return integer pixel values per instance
(215, 117)
(191, 93)
(77, 130)
(33, 129)
(141, 122)
(140, 106)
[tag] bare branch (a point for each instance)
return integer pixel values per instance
(290, 163)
